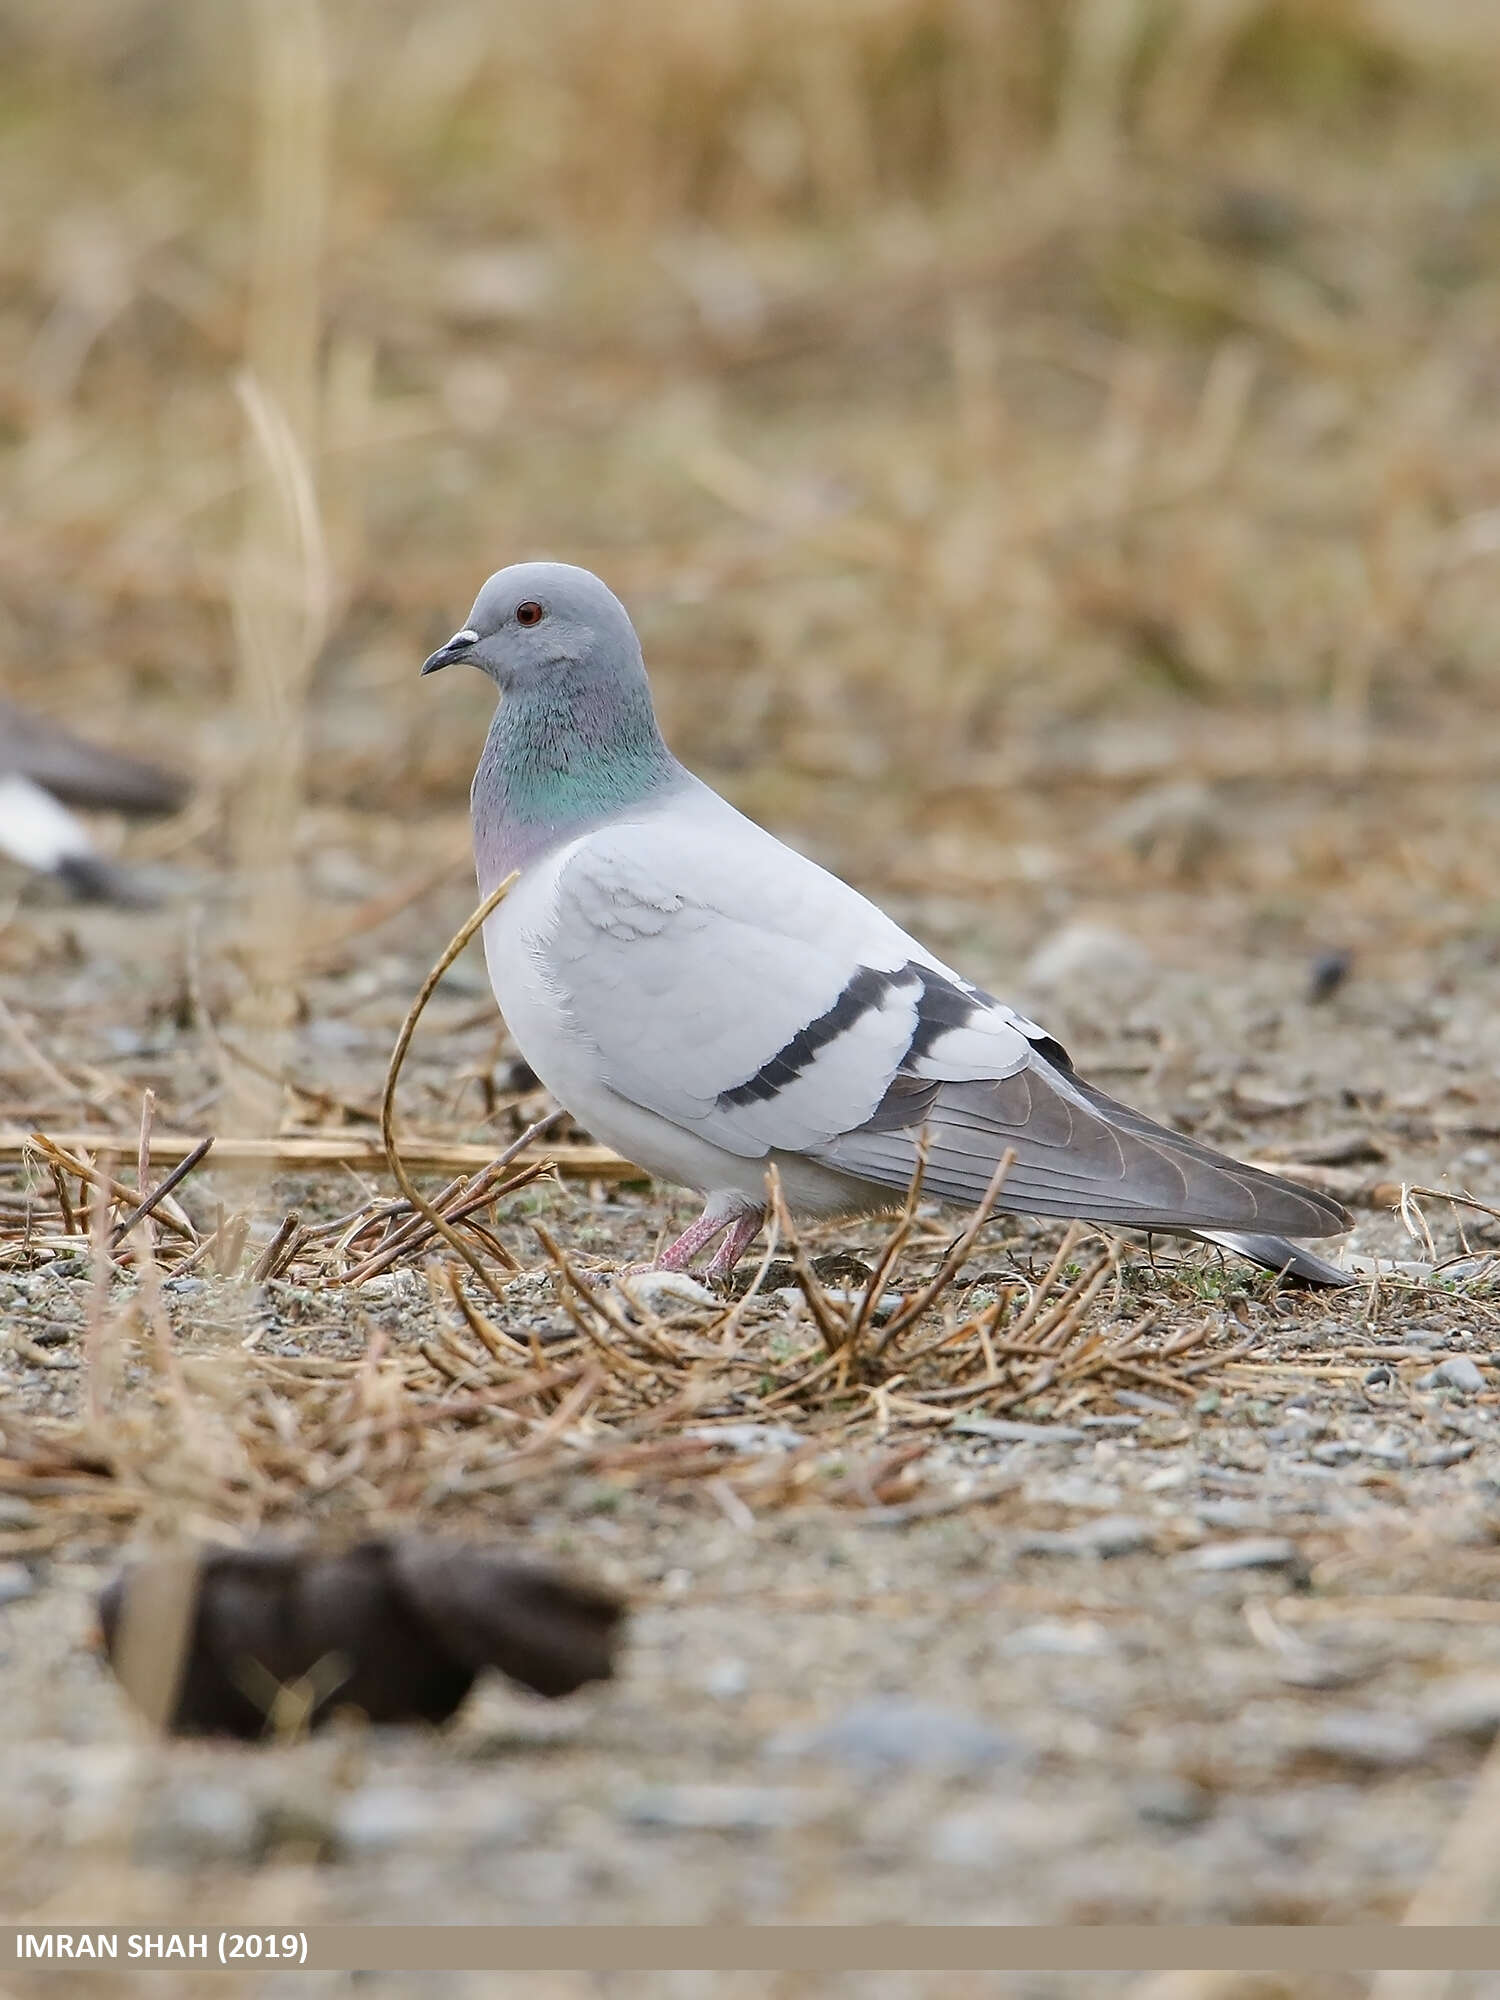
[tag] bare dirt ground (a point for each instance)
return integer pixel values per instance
(1211, 1640)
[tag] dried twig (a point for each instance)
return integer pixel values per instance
(92, 1175)
(958, 1250)
(459, 1200)
(429, 986)
(332, 1149)
(279, 1251)
(97, 1325)
(163, 1188)
(45, 1068)
(143, 1164)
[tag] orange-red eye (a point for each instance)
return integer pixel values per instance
(529, 613)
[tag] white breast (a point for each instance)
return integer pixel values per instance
(516, 939)
(516, 948)
(517, 952)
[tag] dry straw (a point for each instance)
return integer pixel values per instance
(282, 587)
(508, 1382)
(435, 1219)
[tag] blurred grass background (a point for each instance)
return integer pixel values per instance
(968, 396)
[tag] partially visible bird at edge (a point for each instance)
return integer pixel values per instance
(709, 1002)
(44, 769)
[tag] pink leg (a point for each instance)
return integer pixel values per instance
(697, 1236)
(738, 1240)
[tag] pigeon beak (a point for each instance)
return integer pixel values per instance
(456, 649)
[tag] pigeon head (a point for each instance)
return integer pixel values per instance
(538, 622)
(574, 740)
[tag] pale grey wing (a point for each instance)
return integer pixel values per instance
(1079, 1153)
(728, 984)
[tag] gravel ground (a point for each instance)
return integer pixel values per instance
(1229, 1658)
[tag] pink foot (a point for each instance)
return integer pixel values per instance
(697, 1236)
(740, 1236)
(679, 1255)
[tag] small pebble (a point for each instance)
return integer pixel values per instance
(1116, 1535)
(884, 1307)
(1072, 1639)
(1327, 974)
(1165, 1479)
(1232, 1514)
(1457, 1372)
(1440, 1455)
(1468, 1705)
(1257, 1552)
(723, 1808)
(393, 1285)
(1110, 1535)
(891, 1733)
(385, 1816)
(16, 1582)
(660, 1291)
(54, 1333)
(1081, 952)
(726, 1680)
(1006, 1432)
(1171, 1801)
(379, 1818)
(1471, 1272)
(993, 1834)
(189, 1823)
(1337, 1451)
(1391, 1267)
(1369, 1737)
(749, 1437)
(1388, 1451)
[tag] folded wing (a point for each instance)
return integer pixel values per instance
(736, 988)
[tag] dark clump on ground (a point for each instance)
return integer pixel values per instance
(386, 1631)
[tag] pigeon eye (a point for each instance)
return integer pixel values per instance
(529, 613)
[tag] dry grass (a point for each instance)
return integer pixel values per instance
(1012, 365)
(976, 401)
(648, 1382)
(942, 344)
(645, 1384)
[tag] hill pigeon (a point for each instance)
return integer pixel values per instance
(45, 768)
(708, 1001)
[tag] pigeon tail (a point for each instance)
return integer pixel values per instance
(1274, 1253)
(1078, 1154)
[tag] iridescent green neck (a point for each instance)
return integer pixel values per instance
(560, 758)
